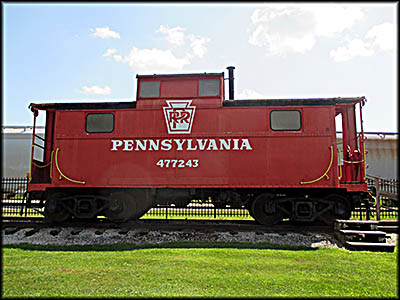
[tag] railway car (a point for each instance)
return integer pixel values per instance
(182, 140)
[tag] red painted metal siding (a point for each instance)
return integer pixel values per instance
(276, 158)
(180, 87)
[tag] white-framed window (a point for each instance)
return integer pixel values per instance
(99, 122)
(285, 120)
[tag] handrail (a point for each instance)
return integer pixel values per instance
(32, 146)
(352, 162)
(46, 165)
(323, 175)
(381, 188)
(61, 174)
(378, 177)
(38, 166)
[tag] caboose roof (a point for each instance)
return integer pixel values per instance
(293, 102)
(182, 75)
(83, 105)
(226, 103)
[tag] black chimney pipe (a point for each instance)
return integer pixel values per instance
(231, 87)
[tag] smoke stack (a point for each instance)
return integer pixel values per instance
(231, 86)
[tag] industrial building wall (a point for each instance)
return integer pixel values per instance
(16, 154)
(382, 157)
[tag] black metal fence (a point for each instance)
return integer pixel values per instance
(360, 213)
(383, 184)
(386, 196)
(13, 203)
(198, 211)
(14, 199)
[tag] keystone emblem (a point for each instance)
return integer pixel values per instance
(179, 116)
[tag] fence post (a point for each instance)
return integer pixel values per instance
(26, 195)
(378, 196)
(23, 204)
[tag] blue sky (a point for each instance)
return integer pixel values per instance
(92, 52)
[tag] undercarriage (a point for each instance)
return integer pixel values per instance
(266, 206)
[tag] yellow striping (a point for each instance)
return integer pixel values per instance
(62, 175)
(30, 167)
(365, 165)
(323, 175)
(51, 163)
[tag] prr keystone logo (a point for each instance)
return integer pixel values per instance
(179, 116)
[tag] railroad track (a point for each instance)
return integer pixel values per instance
(172, 225)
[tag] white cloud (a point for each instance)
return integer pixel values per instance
(249, 94)
(381, 37)
(154, 60)
(105, 32)
(174, 35)
(193, 45)
(198, 44)
(186, 47)
(282, 28)
(109, 52)
(330, 20)
(117, 57)
(384, 36)
(354, 48)
(96, 90)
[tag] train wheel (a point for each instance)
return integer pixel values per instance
(54, 212)
(263, 210)
(122, 207)
(249, 209)
(341, 209)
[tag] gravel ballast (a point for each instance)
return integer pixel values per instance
(89, 236)
(71, 236)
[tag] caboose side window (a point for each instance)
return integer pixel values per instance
(208, 87)
(285, 120)
(96, 123)
(150, 89)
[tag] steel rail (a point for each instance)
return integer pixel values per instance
(174, 225)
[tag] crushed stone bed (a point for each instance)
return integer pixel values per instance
(71, 236)
(90, 236)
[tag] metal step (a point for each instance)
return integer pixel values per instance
(366, 232)
(390, 226)
(358, 221)
(388, 229)
(388, 223)
(356, 225)
(362, 235)
(366, 236)
(363, 246)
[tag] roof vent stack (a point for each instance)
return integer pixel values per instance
(231, 85)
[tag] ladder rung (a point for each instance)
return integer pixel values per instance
(40, 146)
(38, 136)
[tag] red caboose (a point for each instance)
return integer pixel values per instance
(181, 140)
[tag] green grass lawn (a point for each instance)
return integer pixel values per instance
(196, 270)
